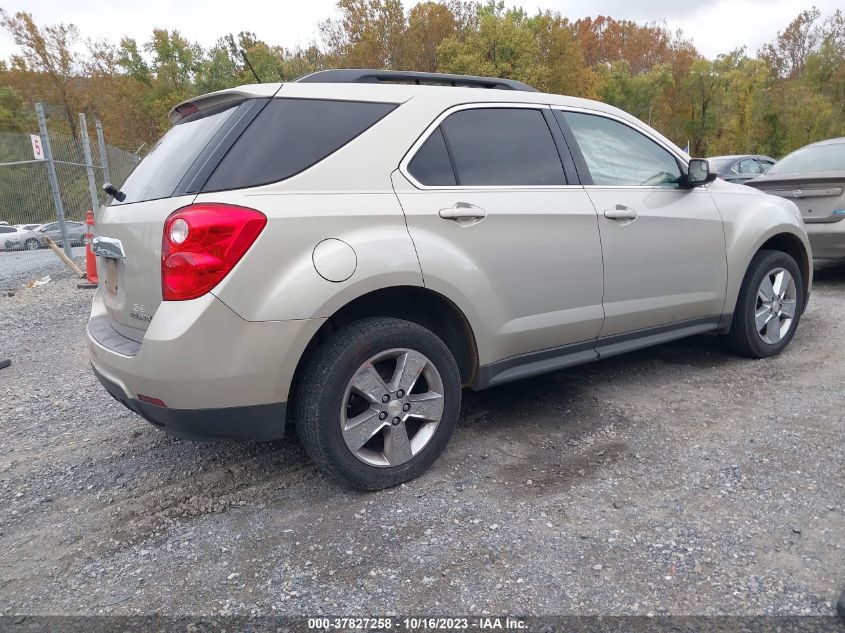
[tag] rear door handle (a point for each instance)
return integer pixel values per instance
(463, 211)
(620, 212)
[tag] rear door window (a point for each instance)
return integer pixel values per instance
(169, 160)
(291, 135)
(749, 166)
(431, 165)
(502, 147)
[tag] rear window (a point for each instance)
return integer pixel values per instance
(810, 159)
(164, 166)
(291, 135)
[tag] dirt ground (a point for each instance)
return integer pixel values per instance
(676, 480)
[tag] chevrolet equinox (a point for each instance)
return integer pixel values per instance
(348, 251)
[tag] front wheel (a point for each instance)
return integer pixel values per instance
(769, 306)
(32, 244)
(377, 403)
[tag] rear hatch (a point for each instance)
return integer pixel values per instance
(819, 195)
(129, 231)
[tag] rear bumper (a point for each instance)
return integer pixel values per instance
(262, 422)
(217, 374)
(827, 239)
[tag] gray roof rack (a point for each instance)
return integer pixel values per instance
(352, 76)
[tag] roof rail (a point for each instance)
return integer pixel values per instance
(368, 76)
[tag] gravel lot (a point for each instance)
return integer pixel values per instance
(676, 480)
(19, 267)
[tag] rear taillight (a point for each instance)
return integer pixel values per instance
(201, 245)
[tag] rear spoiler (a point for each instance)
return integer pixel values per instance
(203, 102)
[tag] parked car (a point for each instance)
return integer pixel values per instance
(348, 253)
(27, 227)
(813, 177)
(21, 238)
(75, 232)
(740, 168)
(5, 232)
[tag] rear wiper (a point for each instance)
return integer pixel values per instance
(114, 192)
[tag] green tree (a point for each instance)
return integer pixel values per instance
(503, 46)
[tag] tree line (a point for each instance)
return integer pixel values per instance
(788, 93)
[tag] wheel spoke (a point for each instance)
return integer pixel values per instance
(779, 284)
(397, 445)
(369, 384)
(773, 331)
(427, 406)
(762, 317)
(766, 292)
(360, 429)
(409, 366)
(787, 307)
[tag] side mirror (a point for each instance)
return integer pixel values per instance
(699, 173)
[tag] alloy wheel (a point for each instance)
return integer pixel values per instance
(775, 306)
(392, 407)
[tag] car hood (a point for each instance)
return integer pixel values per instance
(733, 187)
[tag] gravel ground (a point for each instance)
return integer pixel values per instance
(677, 480)
(20, 267)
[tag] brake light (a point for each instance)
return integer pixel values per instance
(201, 244)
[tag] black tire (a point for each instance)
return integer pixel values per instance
(743, 337)
(32, 244)
(320, 393)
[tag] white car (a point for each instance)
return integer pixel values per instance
(20, 237)
(346, 252)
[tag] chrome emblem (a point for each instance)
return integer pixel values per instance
(107, 247)
(797, 193)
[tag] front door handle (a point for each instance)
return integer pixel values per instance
(463, 211)
(621, 212)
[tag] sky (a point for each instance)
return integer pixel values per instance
(714, 26)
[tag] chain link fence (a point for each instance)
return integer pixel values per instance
(28, 207)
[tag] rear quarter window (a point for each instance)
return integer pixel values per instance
(291, 135)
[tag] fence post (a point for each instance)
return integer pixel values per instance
(54, 179)
(104, 157)
(89, 163)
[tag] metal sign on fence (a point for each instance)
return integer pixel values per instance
(46, 180)
(37, 149)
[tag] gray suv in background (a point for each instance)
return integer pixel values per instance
(349, 251)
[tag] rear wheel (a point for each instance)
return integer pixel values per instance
(32, 244)
(378, 402)
(770, 304)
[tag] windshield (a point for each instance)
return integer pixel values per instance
(169, 160)
(811, 159)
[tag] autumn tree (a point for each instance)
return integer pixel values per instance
(429, 23)
(47, 61)
(369, 34)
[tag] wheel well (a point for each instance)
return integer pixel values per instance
(792, 246)
(419, 305)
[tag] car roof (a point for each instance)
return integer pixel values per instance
(439, 97)
(830, 141)
(739, 157)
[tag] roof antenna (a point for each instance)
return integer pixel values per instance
(246, 60)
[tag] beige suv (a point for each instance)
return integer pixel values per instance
(348, 251)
